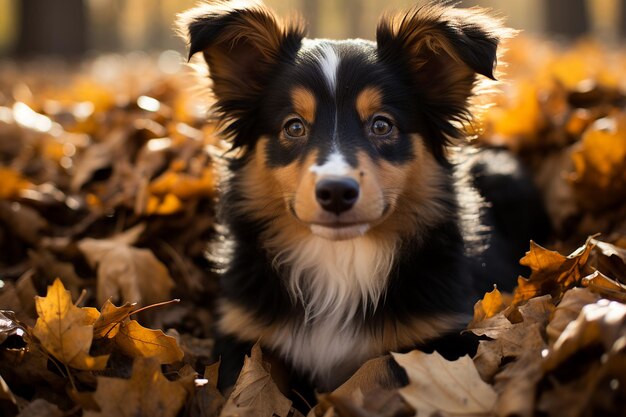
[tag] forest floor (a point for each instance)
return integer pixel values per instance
(107, 183)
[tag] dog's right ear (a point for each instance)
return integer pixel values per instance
(242, 42)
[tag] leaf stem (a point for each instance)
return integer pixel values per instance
(164, 303)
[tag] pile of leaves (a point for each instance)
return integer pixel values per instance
(107, 187)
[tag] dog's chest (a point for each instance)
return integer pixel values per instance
(335, 282)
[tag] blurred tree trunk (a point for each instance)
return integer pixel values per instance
(568, 18)
(52, 28)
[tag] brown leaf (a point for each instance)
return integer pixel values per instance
(568, 309)
(146, 394)
(600, 324)
(516, 385)
(509, 344)
(512, 340)
(66, 331)
(110, 319)
(605, 286)
(255, 393)
(437, 386)
(552, 273)
(137, 341)
(126, 272)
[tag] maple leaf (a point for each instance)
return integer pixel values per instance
(110, 319)
(255, 393)
(137, 341)
(552, 272)
(66, 331)
(445, 388)
(146, 394)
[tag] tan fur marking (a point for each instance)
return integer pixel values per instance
(368, 102)
(413, 191)
(304, 103)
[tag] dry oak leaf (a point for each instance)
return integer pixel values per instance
(126, 272)
(551, 272)
(255, 393)
(445, 388)
(137, 341)
(146, 394)
(66, 331)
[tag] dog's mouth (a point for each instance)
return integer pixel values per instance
(339, 231)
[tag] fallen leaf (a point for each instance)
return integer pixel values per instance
(126, 272)
(137, 341)
(491, 304)
(111, 317)
(600, 324)
(445, 388)
(255, 393)
(66, 331)
(605, 286)
(552, 272)
(568, 309)
(509, 344)
(146, 394)
(516, 385)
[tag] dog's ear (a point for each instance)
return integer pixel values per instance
(440, 50)
(242, 42)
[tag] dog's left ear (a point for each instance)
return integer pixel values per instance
(440, 50)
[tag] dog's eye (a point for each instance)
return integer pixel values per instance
(295, 128)
(381, 126)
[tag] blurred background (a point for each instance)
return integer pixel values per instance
(80, 27)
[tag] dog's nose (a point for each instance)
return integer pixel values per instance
(337, 194)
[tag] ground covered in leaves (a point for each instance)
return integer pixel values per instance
(106, 206)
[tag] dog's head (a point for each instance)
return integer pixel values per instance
(342, 138)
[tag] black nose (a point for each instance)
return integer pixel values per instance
(337, 194)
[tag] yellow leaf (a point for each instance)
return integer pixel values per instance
(110, 319)
(146, 394)
(491, 304)
(137, 341)
(66, 331)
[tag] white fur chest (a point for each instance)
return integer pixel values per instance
(334, 281)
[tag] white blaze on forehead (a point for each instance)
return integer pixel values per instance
(335, 165)
(329, 62)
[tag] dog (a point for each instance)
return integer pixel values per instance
(351, 233)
